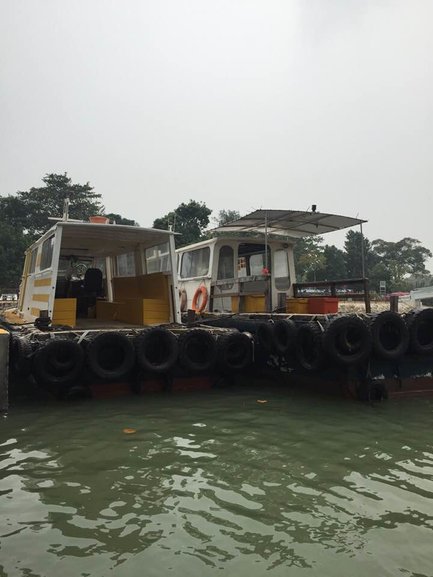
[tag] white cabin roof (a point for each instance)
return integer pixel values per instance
(83, 238)
(289, 223)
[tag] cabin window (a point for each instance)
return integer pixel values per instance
(195, 263)
(257, 263)
(100, 262)
(158, 258)
(281, 270)
(47, 253)
(226, 263)
(126, 264)
(33, 260)
(252, 260)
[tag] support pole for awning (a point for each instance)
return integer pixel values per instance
(362, 252)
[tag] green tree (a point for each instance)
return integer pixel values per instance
(226, 216)
(189, 220)
(309, 258)
(24, 217)
(334, 267)
(353, 246)
(401, 259)
(48, 200)
(118, 219)
(12, 246)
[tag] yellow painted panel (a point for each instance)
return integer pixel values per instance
(69, 320)
(65, 312)
(297, 305)
(125, 288)
(107, 311)
(41, 297)
(235, 304)
(152, 286)
(35, 312)
(42, 282)
(154, 305)
(67, 305)
(254, 303)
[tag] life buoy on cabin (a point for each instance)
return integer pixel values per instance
(199, 300)
(183, 298)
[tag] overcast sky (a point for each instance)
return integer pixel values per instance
(239, 104)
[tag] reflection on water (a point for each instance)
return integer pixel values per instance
(217, 483)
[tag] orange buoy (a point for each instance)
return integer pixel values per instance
(199, 300)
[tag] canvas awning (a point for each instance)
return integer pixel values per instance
(289, 223)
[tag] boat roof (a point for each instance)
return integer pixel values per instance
(289, 223)
(238, 238)
(102, 239)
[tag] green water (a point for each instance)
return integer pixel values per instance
(217, 484)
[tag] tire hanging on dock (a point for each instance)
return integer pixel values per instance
(420, 325)
(20, 351)
(284, 335)
(390, 335)
(265, 336)
(235, 351)
(309, 347)
(58, 362)
(110, 355)
(347, 340)
(156, 350)
(197, 350)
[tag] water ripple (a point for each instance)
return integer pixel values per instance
(217, 482)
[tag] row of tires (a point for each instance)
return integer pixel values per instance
(113, 355)
(346, 340)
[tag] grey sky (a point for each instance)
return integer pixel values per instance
(240, 104)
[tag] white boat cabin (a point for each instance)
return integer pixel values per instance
(92, 275)
(248, 266)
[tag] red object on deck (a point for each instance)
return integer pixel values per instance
(322, 305)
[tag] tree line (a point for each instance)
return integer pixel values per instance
(24, 217)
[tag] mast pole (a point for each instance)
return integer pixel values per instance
(362, 252)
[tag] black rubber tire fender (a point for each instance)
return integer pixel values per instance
(58, 362)
(197, 350)
(20, 351)
(420, 325)
(284, 335)
(309, 347)
(347, 340)
(389, 335)
(110, 355)
(156, 350)
(265, 336)
(235, 351)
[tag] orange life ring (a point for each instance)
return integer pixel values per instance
(183, 297)
(202, 296)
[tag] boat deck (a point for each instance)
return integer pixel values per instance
(94, 324)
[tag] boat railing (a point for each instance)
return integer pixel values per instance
(353, 289)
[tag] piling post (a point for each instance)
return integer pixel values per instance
(4, 369)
